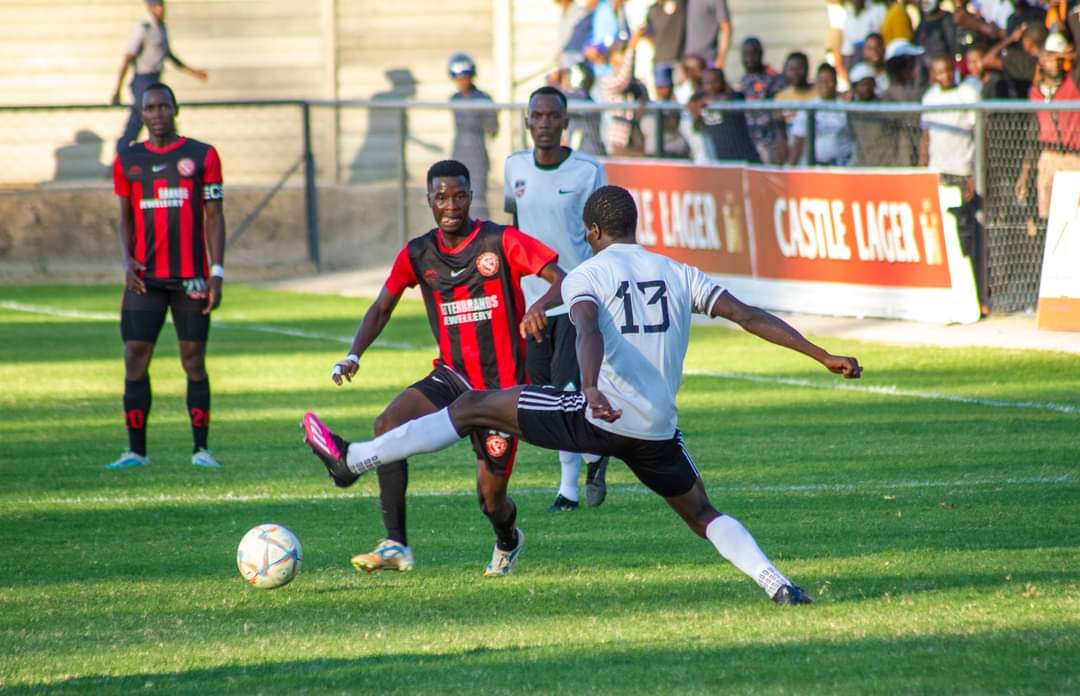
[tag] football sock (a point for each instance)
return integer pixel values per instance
(504, 526)
(137, 400)
(198, 404)
(570, 463)
(736, 545)
(429, 433)
(393, 481)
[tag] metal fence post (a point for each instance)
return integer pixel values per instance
(811, 137)
(311, 192)
(403, 176)
(660, 133)
(980, 260)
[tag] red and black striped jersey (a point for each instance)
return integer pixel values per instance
(473, 297)
(166, 188)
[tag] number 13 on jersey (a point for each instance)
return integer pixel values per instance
(654, 294)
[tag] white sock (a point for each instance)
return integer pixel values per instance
(571, 467)
(429, 433)
(736, 545)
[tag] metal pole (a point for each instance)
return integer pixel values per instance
(811, 137)
(311, 192)
(981, 260)
(403, 176)
(660, 133)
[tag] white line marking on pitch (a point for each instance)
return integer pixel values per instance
(719, 489)
(885, 390)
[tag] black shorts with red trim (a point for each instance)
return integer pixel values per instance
(497, 450)
(142, 316)
(556, 420)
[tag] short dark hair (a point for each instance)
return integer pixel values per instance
(451, 168)
(799, 56)
(753, 41)
(612, 209)
(874, 35)
(1036, 32)
(935, 57)
(159, 87)
(547, 89)
(825, 67)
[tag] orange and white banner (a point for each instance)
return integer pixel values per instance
(1059, 288)
(856, 242)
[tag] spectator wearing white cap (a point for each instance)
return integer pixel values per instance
(874, 134)
(471, 130)
(901, 69)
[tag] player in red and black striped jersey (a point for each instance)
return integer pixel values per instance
(469, 272)
(172, 239)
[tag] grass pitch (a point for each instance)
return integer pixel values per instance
(931, 510)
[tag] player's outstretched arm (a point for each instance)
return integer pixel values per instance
(775, 330)
(590, 355)
(535, 318)
(374, 322)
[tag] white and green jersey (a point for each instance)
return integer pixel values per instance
(548, 203)
(644, 303)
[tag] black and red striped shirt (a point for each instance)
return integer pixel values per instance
(473, 297)
(166, 188)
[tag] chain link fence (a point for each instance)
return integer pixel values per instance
(340, 183)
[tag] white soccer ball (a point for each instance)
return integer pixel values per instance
(269, 556)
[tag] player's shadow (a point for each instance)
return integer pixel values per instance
(387, 133)
(80, 161)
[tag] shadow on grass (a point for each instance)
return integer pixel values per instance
(1032, 661)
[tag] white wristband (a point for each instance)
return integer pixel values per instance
(353, 358)
(217, 271)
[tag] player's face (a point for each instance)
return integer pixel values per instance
(547, 120)
(941, 73)
(158, 113)
(449, 198)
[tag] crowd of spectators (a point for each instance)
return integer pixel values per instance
(937, 52)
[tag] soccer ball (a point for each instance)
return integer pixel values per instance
(269, 556)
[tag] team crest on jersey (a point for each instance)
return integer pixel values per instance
(186, 166)
(488, 264)
(519, 188)
(431, 277)
(496, 445)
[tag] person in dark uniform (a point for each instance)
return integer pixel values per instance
(172, 241)
(469, 271)
(471, 130)
(148, 47)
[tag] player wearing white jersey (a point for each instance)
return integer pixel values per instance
(546, 188)
(632, 310)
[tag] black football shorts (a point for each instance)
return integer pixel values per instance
(554, 360)
(497, 450)
(556, 420)
(141, 316)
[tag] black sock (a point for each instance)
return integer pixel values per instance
(504, 526)
(393, 480)
(136, 412)
(198, 404)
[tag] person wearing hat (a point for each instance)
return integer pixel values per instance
(471, 130)
(147, 49)
(874, 134)
(901, 68)
(674, 145)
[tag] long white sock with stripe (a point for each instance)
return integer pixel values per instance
(737, 545)
(429, 433)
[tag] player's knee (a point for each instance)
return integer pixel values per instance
(466, 407)
(194, 364)
(136, 359)
(385, 422)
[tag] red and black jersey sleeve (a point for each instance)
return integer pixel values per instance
(121, 185)
(402, 275)
(526, 255)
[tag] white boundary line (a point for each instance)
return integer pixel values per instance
(866, 488)
(885, 390)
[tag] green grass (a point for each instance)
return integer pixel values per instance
(939, 537)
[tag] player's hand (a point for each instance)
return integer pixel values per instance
(533, 323)
(344, 368)
(844, 365)
(199, 75)
(601, 407)
(133, 277)
(214, 295)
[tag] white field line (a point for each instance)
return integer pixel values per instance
(888, 390)
(885, 390)
(863, 488)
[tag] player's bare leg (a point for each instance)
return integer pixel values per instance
(501, 511)
(734, 543)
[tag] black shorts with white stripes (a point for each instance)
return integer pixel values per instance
(556, 420)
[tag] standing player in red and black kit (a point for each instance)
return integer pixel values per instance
(170, 222)
(470, 274)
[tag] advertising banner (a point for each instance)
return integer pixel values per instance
(820, 241)
(1059, 288)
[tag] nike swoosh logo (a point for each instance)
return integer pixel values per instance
(455, 274)
(162, 167)
(565, 192)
